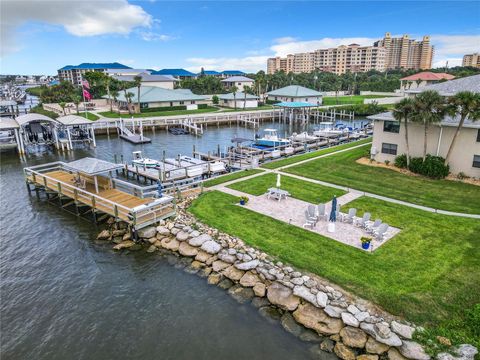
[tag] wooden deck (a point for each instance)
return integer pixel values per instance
(116, 203)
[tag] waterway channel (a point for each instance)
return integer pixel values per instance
(65, 296)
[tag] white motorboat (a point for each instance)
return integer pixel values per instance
(216, 166)
(289, 150)
(271, 139)
(192, 170)
(139, 160)
(303, 137)
(327, 129)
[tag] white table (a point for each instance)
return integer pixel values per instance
(277, 194)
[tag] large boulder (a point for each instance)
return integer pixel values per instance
(214, 278)
(104, 235)
(225, 256)
(374, 347)
(282, 296)
(353, 337)
(199, 240)
(322, 299)
(403, 330)
(187, 250)
(249, 279)
(394, 354)
(211, 247)
(182, 236)
(249, 265)
(413, 350)
(344, 352)
(233, 273)
(124, 245)
(367, 357)
(349, 319)
(304, 293)
(314, 318)
(391, 339)
(259, 289)
(289, 324)
(147, 232)
(170, 244)
(162, 231)
(202, 256)
(333, 311)
(219, 265)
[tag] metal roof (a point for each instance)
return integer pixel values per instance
(452, 87)
(238, 79)
(70, 120)
(238, 95)
(232, 72)
(93, 66)
(294, 104)
(8, 123)
(294, 91)
(92, 166)
(447, 120)
(209, 72)
(146, 78)
(127, 70)
(24, 119)
(174, 72)
(158, 94)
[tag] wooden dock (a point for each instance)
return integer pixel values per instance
(136, 139)
(60, 184)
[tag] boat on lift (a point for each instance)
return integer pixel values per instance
(303, 137)
(216, 166)
(327, 129)
(139, 160)
(192, 170)
(271, 139)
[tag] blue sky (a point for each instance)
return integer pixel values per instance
(41, 36)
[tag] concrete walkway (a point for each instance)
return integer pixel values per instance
(292, 211)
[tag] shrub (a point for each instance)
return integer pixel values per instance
(215, 99)
(164, 108)
(202, 106)
(401, 161)
(461, 175)
(387, 162)
(433, 167)
(40, 110)
(271, 102)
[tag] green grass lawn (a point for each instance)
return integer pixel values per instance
(429, 273)
(110, 114)
(299, 189)
(313, 154)
(233, 176)
(342, 169)
(355, 99)
(90, 116)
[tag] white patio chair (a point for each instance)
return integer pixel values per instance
(380, 232)
(361, 222)
(374, 226)
(321, 212)
(350, 216)
(309, 221)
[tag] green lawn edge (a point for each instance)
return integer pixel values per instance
(232, 176)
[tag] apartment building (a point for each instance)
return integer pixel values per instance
(406, 53)
(472, 60)
(351, 58)
(75, 73)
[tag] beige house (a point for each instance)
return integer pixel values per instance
(389, 134)
(239, 81)
(423, 79)
(240, 100)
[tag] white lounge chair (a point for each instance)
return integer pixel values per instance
(363, 220)
(371, 227)
(380, 232)
(309, 221)
(321, 213)
(350, 216)
(312, 213)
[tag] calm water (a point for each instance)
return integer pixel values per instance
(64, 296)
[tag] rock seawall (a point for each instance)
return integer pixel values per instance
(314, 311)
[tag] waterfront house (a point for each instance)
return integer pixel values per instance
(240, 100)
(295, 93)
(229, 73)
(157, 97)
(389, 134)
(423, 79)
(239, 81)
(163, 81)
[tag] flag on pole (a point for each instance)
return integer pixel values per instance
(86, 95)
(85, 84)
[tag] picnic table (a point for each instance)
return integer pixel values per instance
(277, 193)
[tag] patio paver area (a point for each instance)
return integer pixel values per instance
(292, 211)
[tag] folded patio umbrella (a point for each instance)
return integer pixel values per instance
(333, 215)
(278, 181)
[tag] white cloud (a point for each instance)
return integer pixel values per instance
(447, 45)
(79, 18)
(248, 64)
(283, 40)
(442, 62)
(153, 36)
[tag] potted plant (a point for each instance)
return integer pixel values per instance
(243, 200)
(365, 242)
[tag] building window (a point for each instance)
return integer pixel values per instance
(478, 135)
(306, 100)
(182, 102)
(391, 126)
(389, 149)
(171, 103)
(192, 102)
(476, 161)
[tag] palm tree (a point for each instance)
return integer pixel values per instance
(429, 109)
(403, 111)
(466, 105)
(246, 90)
(137, 80)
(76, 100)
(234, 90)
(127, 98)
(106, 82)
(114, 96)
(62, 104)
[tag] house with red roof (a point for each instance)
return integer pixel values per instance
(423, 79)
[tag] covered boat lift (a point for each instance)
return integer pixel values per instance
(293, 111)
(36, 129)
